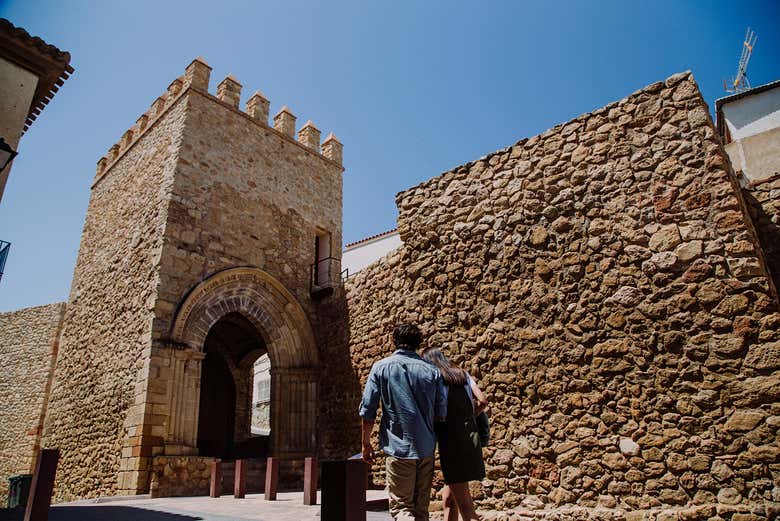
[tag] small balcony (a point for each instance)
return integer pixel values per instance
(326, 276)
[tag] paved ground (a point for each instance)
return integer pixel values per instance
(288, 507)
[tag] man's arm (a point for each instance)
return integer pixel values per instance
(368, 407)
(368, 450)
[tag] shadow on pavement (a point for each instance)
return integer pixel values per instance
(99, 513)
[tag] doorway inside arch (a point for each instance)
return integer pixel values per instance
(236, 358)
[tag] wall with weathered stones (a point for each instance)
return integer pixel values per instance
(762, 199)
(196, 187)
(180, 476)
(601, 283)
(28, 348)
(108, 322)
(248, 194)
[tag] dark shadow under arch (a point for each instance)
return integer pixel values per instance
(224, 423)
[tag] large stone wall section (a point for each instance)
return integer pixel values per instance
(246, 195)
(601, 283)
(28, 349)
(108, 323)
(243, 196)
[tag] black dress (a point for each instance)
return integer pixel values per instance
(460, 452)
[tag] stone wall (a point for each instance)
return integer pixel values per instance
(107, 327)
(246, 194)
(174, 476)
(195, 188)
(28, 349)
(763, 202)
(601, 283)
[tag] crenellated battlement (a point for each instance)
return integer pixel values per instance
(196, 77)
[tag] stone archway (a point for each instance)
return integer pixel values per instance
(286, 332)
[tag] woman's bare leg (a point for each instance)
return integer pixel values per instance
(462, 495)
(450, 507)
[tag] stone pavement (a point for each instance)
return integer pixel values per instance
(288, 507)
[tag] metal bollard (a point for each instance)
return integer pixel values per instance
(39, 500)
(271, 478)
(215, 490)
(310, 481)
(343, 491)
(239, 486)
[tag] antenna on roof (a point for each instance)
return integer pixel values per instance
(740, 82)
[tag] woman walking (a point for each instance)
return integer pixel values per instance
(460, 451)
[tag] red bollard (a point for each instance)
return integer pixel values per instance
(239, 487)
(39, 500)
(310, 481)
(215, 490)
(271, 478)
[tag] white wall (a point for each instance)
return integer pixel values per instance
(753, 114)
(754, 125)
(357, 257)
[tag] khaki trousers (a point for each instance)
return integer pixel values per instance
(409, 481)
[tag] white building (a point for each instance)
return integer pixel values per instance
(749, 125)
(261, 398)
(358, 255)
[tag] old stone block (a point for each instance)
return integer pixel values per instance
(666, 238)
(764, 356)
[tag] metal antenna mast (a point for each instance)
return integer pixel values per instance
(740, 82)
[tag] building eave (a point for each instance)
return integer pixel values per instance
(371, 239)
(47, 62)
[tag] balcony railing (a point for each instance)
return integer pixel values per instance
(5, 247)
(326, 276)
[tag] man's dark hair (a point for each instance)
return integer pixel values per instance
(407, 336)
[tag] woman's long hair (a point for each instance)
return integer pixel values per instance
(450, 372)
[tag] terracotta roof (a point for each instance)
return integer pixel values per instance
(372, 238)
(51, 65)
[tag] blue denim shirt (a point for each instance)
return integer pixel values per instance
(412, 394)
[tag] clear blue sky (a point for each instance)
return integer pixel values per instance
(411, 88)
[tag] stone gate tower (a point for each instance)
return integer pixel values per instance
(208, 242)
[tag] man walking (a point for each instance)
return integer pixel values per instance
(413, 397)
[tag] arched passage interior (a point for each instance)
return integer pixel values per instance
(241, 314)
(227, 389)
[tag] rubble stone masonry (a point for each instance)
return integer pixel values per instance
(28, 348)
(108, 322)
(199, 210)
(602, 284)
(762, 200)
